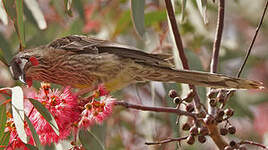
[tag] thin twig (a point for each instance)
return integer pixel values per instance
(168, 140)
(253, 143)
(253, 41)
(249, 50)
(179, 45)
(216, 46)
(214, 133)
(218, 37)
(155, 109)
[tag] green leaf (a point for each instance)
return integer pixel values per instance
(31, 147)
(37, 13)
(202, 6)
(4, 140)
(97, 139)
(34, 134)
(5, 46)
(183, 6)
(122, 24)
(78, 5)
(3, 14)
(68, 5)
(155, 17)
(46, 114)
(16, 16)
(10, 7)
(19, 22)
(137, 11)
(86, 136)
(3, 119)
(2, 58)
(18, 112)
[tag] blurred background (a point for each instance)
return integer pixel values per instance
(111, 19)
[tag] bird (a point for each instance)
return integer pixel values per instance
(86, 62)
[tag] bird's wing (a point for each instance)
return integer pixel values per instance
(84, 44)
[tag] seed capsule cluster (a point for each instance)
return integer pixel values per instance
(197, 131)
(198, 128)
(235, 146)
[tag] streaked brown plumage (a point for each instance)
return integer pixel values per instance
(83, 62)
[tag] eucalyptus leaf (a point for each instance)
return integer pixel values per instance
(68, 4)
(122, 24)
(3, 119)
(37, 13)
(34, 134)
(46, 114)
(19, 22)
(183, 6)
(3, 14)
(31, 147)
(202, 6)
(4, 140)
(18, 112)
(10, 7)
(2, 58)
(137, 13)
(85, 138)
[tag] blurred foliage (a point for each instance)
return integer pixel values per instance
(113, 20)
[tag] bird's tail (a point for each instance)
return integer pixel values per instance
(199, 78)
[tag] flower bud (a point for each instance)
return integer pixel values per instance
(223, 131)
(232, 144)
(231, 129)
(228, 148)
(209, 120)
(229, 112)
(190, 140)
(194, 130)
(186, 126)
(212, 102)
(204, 131)
(212, 94)
(189, 97)
(190, 108)
(172, 93)
(202, 139)
(201, 114)
(177, 100)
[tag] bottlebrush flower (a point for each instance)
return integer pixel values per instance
(97, 109)
(14, 141)
(62, 105)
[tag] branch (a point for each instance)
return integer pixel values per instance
(218, 37)
(214, 131)
(168, 140)
(252, 143)
(216, 137)
(155, 109)
(253, 41)
(179, 45)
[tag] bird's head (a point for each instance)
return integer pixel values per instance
(19, 65)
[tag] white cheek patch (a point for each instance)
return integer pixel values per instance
(22, 64)
(11, 70)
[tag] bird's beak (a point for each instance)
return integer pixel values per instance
(22, 78)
